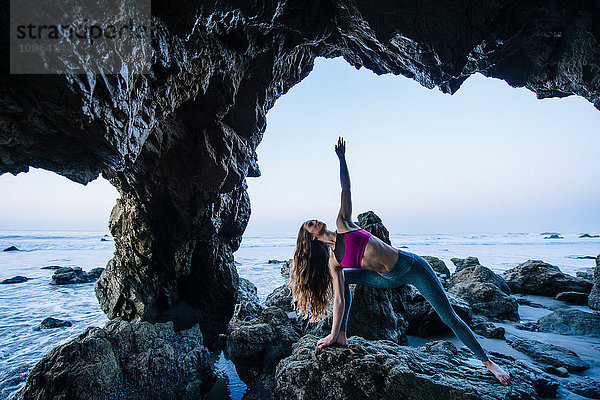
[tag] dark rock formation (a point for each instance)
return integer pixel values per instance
(585, 386)
(543, 279)
(560, 371)
(11, 248)
(179, 142)
(573, 298)
(594, 297)
(52, 267)
(588, 274)
(551, 354)
(570, 322)
(384, 370)
(437, 265)
(371, 222)
(248, 306)
(50, 323)
(587, 235)
(15, 279)
(527, 326)
(256, 346)
(70, 275)
(280, 297)
(485, 328)
(286, 267)
(461, 263)
(554, 236)
(133, 360)
(483, 290)
(422, 319)
(526, 302)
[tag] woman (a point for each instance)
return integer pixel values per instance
(324, 260)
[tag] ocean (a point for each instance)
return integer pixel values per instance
(24, 305)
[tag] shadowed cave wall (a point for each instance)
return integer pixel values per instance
(179, 142)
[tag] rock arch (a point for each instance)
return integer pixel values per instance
(179, 143)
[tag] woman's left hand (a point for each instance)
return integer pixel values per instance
(326, 341)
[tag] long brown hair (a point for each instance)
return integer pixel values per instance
(310, 280)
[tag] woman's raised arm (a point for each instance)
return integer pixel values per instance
(346, 204)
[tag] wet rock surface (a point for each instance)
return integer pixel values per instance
(437, 265)
(385, 370)
(14, 279)
(133, 360)
(51, 323)
(71, 275)
(543, 279)
(486, 328)
(281, 297)
(557, 356)
(586, 387)
(570, 322)
(573, 298)
(594, 297)
(11, 248)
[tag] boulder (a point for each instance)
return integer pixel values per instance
(247, 291)
(570, 322)
(585, 386)
(437, 265)
(14, 279)
(132, 360)
(554, 236)
(483, 290)
(487, 329)
(384, 370)
(551, 354)
(286, 267)
(594, 297)
(11, 248)
(588, 274)
(560, 371)
(248, 304)
(543, 279)
(577, 298)
(50, 323)
(587, 235)
(471, 271)
(461, 263)
(256, 346)
(52, 267)
(371, 222)
(281, 297)
(422, 319)
(71, 275)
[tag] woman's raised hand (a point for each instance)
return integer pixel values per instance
(340, 147)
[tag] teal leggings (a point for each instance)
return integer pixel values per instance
(412, 269)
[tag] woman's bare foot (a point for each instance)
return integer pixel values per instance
(342, 339)
(500, 374)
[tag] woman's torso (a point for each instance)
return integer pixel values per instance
(377, 255)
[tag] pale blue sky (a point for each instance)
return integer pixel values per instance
(488, 159)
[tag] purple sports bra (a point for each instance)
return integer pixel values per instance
(350, 247)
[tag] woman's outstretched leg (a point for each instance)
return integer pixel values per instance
(422, 276)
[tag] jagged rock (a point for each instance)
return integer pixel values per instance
(570, 322)
(527, 326)
(526, 302)
(385, 370)
(487, 329)
(483, 290)
(422, 319)
(371, 222)
(587, 235)
(573, 298)
(551, 354)
(543, 279)
(50, 323)
(560, 371)
(437, 265)
(286, 267)
(178, 143)
(133, 360)
(248, 304)
(71, 275)
(554, 236)
(280, 297)
(15, 279)
(585, 386)
(256, 346)
(52, 267)
(11, 248)
(594, 297)
(469, 270)
(461, 263)
(588, 274)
